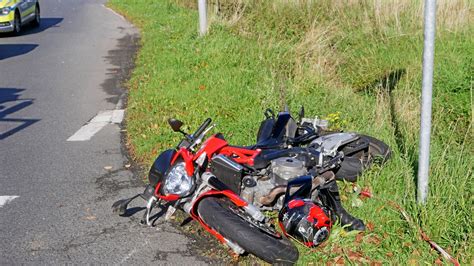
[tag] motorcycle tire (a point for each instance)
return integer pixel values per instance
(354, 164)
(216, 213)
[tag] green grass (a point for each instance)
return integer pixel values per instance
(352, 57)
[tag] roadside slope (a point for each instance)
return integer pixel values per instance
(356, 64)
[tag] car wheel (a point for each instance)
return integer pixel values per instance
(36, 21)
(17, 23)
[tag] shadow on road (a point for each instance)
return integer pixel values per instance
(46, 23)
(122, 59)
(11, 50)
(10, 103)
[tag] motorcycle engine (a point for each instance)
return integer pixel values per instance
(285, 169)
(267, 191)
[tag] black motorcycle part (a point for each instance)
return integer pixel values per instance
(249, 182)
(359, 155)
(148, 192)
(160, 166)
(307, 155)
(120, 206)
(265, 129)
(304, 191)
(229, 172)
(349, 169)
(203, 127)
(375, 149)
(329, 196)
(185, 143)
(218, 184)
(274, 132)
(217, 214)
(285, 126)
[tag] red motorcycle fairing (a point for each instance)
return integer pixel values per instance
(215, 145)
(169, 197)
(188, 160)
(241, 155)
(211, 146)
(237, 200)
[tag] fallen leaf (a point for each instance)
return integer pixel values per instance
(376, 263)
(202, 87)
(355, 256)
(374, 240)
(370, 226)
(380, 208)
(336, 250)
(389, 254)
(359, 237)
(339, 260)
(107, 167)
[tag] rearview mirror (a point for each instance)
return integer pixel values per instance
(175, 124)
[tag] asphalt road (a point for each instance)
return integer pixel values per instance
(52, 81)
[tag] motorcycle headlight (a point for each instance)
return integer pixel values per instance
(5, 10)
(178, 181)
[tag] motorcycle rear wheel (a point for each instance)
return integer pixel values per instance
(217, 214)
(354, 164)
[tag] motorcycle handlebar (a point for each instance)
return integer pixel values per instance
(203, 127)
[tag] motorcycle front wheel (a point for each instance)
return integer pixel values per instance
(217, 214)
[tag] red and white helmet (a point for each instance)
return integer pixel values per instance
(305, 221)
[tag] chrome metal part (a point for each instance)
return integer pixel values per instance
(286, 168)
(329, 144)
(236, 248)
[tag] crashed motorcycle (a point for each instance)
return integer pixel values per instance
(360, 151)
(184, 179)
(265, 181)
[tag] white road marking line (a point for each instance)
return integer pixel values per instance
(87, 131)
(119, 104)
(117, 116)
(99, 121)
(102, 116)
(6, 199)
